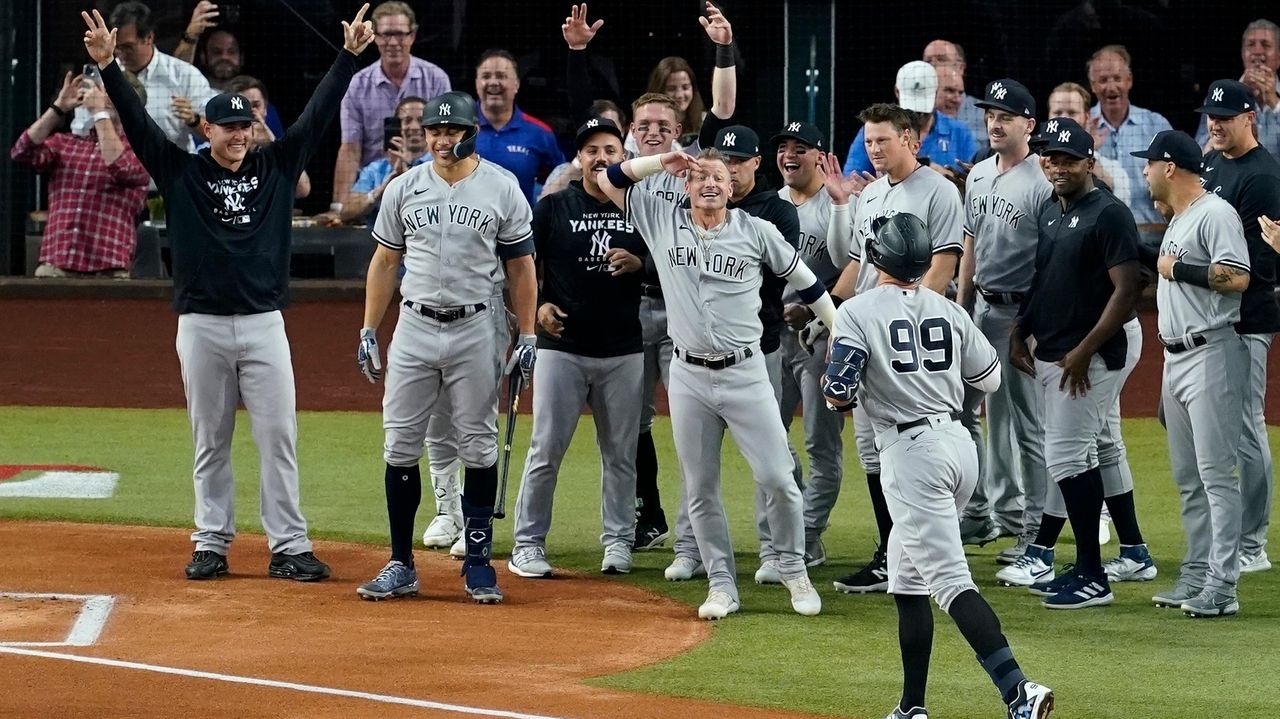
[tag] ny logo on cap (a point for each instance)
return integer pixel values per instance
(237, 103)
(1052, 127)
(1064, 136)
(592, 122)
(1217, 94)
(730, 139)
(445, 109)
(793, 127)
(998, 91)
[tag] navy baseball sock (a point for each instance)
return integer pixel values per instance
(1050, 530)
(981, 628)
(1083, 495)
(648, 501)
(915, 639)
(480, 486)
(404, 493)
(1125, 518)
(884, 522)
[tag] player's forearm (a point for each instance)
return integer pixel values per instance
(109, 144)
(344, 171)
(724, 83)
(1225, 278)
(44, 126)
(325, 101)
(813, 294)
(380, 284)
(848, 280)
(148, 140)
(941, 271)
(964, 285)
(522, 284)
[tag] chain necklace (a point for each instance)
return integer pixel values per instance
(706, 236)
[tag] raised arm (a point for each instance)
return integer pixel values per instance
(578, 33)
(615, 180)
(724, 79)
(202, 18)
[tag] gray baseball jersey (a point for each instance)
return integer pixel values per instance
(1000, 215)
(922, 349)
(1207, 232)
(450, 234)
(925, 194)
(667, 186)
(825, 237)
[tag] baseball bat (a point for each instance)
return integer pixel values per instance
(515, 383)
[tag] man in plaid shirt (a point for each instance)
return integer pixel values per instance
(97, 186)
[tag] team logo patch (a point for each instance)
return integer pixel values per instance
(446, 109)
(793, 127)
(1052, 127)
(1064, 136)
(730, 139)
(1217, 94)
(593, 122)
(1074, 221)
(998, 90)
(237, 104)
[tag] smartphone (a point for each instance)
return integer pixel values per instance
(390, 129)
(91, 77)
(228, 13)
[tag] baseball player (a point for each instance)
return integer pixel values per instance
(1084, 290)
(816, 187)
(229, 216)
(711, 260)
(455, 220)
(589, 352)
(905, 186)
(904, 355)
(1245, 174)
(1003, 194)
(1204, 267)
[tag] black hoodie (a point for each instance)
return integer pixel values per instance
(764, 202)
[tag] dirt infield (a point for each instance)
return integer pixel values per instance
(120, 353)
(527, 656)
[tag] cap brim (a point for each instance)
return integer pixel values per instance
(1220, 111)
(1146, 155)
(1046, 150)
(738, 154)
(781, 137)
(233, 120)
(997, 106)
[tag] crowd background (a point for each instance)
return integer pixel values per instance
(855, 47)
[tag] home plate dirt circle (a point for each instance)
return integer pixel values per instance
(248, 645)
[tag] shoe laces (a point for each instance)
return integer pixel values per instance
(618, 549)
(527, 554)
(721, 598)
(1025, 562)
(390, 571)
(799, 585)
(204, 555)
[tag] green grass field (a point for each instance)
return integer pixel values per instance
(1127, 660)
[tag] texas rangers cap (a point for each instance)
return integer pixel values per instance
(1173, 146)
(803, 132)
(1228, 98)
(917, 85)
(1064, 135)
(738, 141)
(228, 108)
(1010, 96)
(592, 126)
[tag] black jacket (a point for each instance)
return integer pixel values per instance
(764, 202)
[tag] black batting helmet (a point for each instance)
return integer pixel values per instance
(458, 109)
(900, 246)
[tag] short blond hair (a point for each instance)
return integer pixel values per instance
(1078, 89)
(391, 8)
(655, 98)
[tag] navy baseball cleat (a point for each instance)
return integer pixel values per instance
(302, 567)
(482, 585)
(395, 580)
(650, 536)
(1083, 592)
(1053, 586)
(1032, 701)
(206, 564)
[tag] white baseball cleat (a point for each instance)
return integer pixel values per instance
(530, 562)
(768, 572)
(682, 569)
(441, 533)
(718, 606)
(1250, 563)
(804, 598)
(617, 558)
(459, 548)
(1035, 565)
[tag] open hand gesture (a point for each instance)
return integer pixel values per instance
(202, 18)
(679, 163)
(839, 187)
(98, 40)
(68, 97)
(358, 33)
(717, 27)
(577, 33)
(1098, 130)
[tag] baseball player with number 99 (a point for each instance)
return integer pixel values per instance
(905, 355)
(454, 220)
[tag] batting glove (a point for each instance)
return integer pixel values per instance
(367, 357)
(810, 334)
(523, 355)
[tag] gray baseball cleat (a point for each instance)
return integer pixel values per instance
(978, 531)
(1176, 595)
(1209, 603)
(529, 562)
(395, 580)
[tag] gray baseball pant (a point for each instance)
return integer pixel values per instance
(562, 383)
(704, 402)
(657, 355)
(228, 359)
(802, 386)
(1255, 451)
(1204, 401)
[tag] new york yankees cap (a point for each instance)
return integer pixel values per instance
(738, 141)
(1008, 95)
(593, 125)
(917, 85)
(803, 132)
(1064, 135)
(1228, 98)
(1173, 146)
(228, 108)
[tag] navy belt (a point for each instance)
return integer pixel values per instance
(955, 417)
(1001, 298)
(723, 361)
(1180, 346)
(654, 291)
(444, 314)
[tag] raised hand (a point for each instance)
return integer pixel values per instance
(69, 97)
(358, 33)
(577, 33)
(98, 40)
(717, 26)
(94, 98)
(1098, 130)
(202, 18)
(679, 163)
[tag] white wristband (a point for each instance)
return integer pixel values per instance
(643, 167)
(335, 207)
(102, 115)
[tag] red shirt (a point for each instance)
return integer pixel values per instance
(93, 206)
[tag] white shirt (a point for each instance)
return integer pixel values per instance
(164, 78)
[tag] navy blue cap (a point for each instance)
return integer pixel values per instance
(1010, 96)
(1228, 98)
(228, 108)
(1064, 135)
(1173, 146)
(738, 141)
(803, 132)
(592, 126)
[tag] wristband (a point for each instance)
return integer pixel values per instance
(643, 167)
(335, 207)
(530, 340)
(102, 115)
(617, 177)
(57, 110)
(372, 199)
(190, 40)
(725, 56)
(1191, 274)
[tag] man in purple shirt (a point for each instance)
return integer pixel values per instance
(376, 90)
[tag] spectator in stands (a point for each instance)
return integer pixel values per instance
(204, 16)
(1071, 100)
(510, 137)
(944, 141)
(256, 93)
(944, 53)
(567, 172)
(97, 186)
(1123, 128)
(673, 77)
(405, 151)
(1260, 55)
(376, 90)
(175, 89)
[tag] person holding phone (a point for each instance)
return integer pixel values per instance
(97, 186)
(404, 145)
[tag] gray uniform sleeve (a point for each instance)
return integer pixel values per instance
(979, 363)
(388, 229)
(840, 233)
(846, 329)
(855, 242)
(652, 216)
(781, 257)
(515, 232)
(946, 219)
(1224, 238)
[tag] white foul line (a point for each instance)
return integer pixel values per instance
(309, 688)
